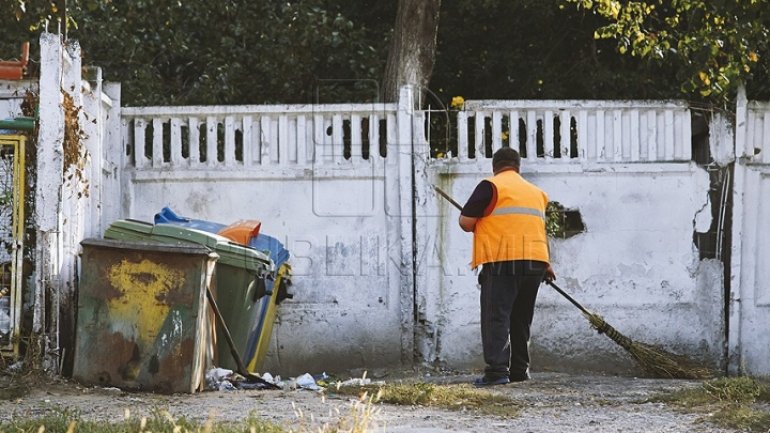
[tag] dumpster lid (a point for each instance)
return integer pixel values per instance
(131, 225)
(186, 248)
(229, 253)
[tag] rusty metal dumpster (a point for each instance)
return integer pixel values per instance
(239, 284)
(143, 320)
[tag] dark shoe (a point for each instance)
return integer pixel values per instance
(518, 377)
(489, 381)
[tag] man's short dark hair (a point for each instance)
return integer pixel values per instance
(505, 157)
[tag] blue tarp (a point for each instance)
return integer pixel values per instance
(167, 216)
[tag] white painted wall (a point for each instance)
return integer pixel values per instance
(635, 264)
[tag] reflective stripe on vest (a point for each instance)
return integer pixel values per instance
(518, 211)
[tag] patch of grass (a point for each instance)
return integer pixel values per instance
(359, 419)
(12, 392)
(722, 390)
(742, 418)
(158, 423)
(451, 397)
(14, 386)
(736, 402)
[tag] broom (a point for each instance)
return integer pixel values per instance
(653, 360)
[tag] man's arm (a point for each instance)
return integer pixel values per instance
(479, 205)
(468, 224)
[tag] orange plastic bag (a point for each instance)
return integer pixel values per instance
(241, 231)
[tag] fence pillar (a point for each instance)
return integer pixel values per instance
(113, 160)
(734, 358)
(403, 158)
(48, 192)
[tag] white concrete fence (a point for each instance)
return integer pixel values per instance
(381, 285)
(253, 136)
(381, 268)
(627, 131)
(281, 135)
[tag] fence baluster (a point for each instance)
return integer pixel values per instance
(176, 142)
(355, 138)
(668, 116)
(679, 144)
(601, 135)
(565, 134)
(497, 131)
(374, 137)
(513, 134)
(194, 139)
(462, 136)
(140, 142)
(634, 134)
(264, 140)
(284, 143)
(686, 135)
(302, 135)
(319, 134)
(157, 142)
(652, 134)
(548, 135)
(479, 135)
(582, 135)
(618, 134)
(229, 149)
(247, 139)
(212, 126)
(531, 135)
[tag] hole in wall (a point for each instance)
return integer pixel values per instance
(563, 223)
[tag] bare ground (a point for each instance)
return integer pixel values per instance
(551, 402)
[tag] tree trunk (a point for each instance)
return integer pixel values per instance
(413, 49)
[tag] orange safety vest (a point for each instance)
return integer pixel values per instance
(515, 229)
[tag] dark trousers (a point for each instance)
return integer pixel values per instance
(508, 292)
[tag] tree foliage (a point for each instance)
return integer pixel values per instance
(305, 51)
(715, 44)
(232, 51)
(533, 49)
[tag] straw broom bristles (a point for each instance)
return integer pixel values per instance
(655, 361)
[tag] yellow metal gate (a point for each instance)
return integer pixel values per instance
(11, 240)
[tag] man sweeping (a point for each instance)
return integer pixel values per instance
(507, 217)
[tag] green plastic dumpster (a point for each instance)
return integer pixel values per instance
(142, 318)
(238, 286)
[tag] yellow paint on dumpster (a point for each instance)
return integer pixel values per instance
(144, 287)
